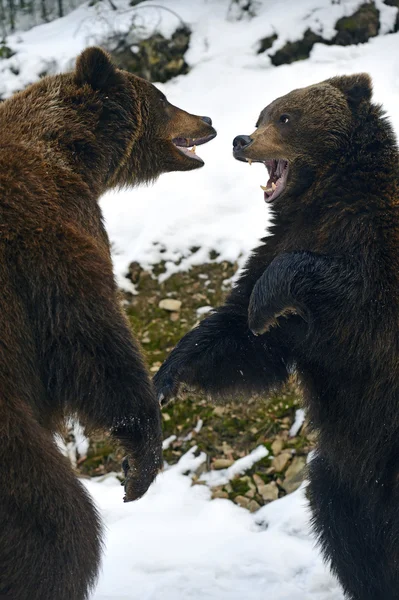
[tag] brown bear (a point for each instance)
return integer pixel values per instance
(320, 297)
(65, 345)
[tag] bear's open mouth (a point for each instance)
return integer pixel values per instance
(278, 173)
(187, 146)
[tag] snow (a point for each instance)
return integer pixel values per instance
(175, 543)
(223, 476)
(297, 424)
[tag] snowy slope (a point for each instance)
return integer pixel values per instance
(219, 207)
(176, 544)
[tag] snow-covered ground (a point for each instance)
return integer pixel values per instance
(175, 543)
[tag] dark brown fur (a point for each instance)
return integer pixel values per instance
(333, 257)
(65, 346)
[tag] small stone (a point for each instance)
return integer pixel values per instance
(170, 305)
(201, 469)
(277, 446)
(242, 501)
(219, 494)
(219, 411)
(249, 482)
(258, 481)
(280, 462)
(294, 474)
(226, 449)
(269, 491)
(222, 463)
(166, 417)
(174, 316)
(229, 488)
(250, 494)
(145, 340)
(253, 506)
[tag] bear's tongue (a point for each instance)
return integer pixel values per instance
(278, 170)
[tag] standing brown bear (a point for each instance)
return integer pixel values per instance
(321, 297)
(65, 345)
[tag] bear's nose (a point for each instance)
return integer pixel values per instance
(241, 141)
(207, 120)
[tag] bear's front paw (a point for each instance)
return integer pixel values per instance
(259, 325)
(166, 385)
(261, 315)
(137, 480)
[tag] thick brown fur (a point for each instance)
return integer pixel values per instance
(65, 345)
(333, 259)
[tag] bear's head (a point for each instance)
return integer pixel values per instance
(300, 133)
(111, 127)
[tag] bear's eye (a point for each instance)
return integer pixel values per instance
(284, 119)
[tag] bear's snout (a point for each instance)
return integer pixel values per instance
(241, 143)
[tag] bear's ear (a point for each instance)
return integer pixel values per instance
(355, 87)
(94, 67)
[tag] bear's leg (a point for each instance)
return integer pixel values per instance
(100, 375)
(222, 357)
(358, 532)
(50, 532)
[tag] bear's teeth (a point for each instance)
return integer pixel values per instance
(265, 188)
(249, 160)
(193, 149)
(273, 186)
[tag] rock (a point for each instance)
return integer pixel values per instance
(201, 469)
(359, 27)
(145, 340)
(253, 506)
(226, 449)
(174, 316)
(250, 494)
(280, 462)
(242, 501)
(355, 29)
(155, 367)
(219, 411)
(166, 417)
(241, 9)
(269, 491)
(134, 272)
(266, 43)
(155, 58)
(170, 305)
(277, 446)
(6, 52)
(258, 481)
(394, 3)
(299, 50)
(219, 492)
(220, 495)
(222, 463)
(294, 474)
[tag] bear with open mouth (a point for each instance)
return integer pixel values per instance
(320, 297)
(66, 347)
